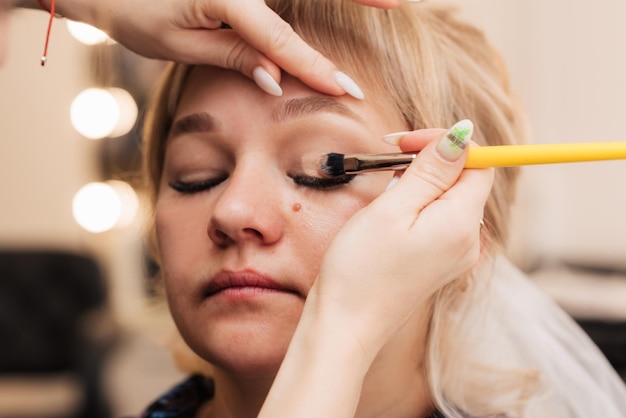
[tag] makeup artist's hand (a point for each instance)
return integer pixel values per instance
(394, 254)
(259, 44)
(379, 273)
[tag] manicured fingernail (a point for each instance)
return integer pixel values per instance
(392, 183)
(451, 146)
(348, 85)
(394, 138)
(264, 80)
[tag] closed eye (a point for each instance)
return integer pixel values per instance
(323, 183)
(195, 186)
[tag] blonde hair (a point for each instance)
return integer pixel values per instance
(434, 70)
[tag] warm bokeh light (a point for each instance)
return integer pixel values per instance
(129, 200)
(86, 34)
(95, 113)
(97, 207)
(128, 111)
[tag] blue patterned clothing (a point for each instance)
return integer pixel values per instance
(182, 401)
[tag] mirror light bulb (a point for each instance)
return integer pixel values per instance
(97, 207)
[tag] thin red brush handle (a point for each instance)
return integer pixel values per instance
(44, 57)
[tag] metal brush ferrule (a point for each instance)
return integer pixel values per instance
(359, 163)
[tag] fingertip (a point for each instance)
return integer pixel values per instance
(394, 138)
(417, 140)
(328, 79)
(266, 82)
(452, 145)
(348, 85)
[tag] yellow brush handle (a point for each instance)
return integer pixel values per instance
(513, 155)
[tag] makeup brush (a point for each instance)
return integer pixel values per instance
(334, 164)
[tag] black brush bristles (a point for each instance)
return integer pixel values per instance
(333, 165)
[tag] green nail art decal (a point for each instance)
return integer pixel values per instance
(453, 143)
(459, 134)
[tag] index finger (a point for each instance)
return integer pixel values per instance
(415, 140)
(262, 28)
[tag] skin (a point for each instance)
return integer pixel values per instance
(249, 221)
(259, 219)
(374, 284)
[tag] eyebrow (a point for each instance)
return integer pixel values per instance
(289, 109)
(303, 106)
(196, 122)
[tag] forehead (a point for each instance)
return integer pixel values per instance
(228, 94)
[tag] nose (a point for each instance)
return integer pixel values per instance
(248, 210)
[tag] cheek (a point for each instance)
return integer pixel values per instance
(322, 219)
(180, 234)
(319, 223)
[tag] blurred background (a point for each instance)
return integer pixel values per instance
(81, 326)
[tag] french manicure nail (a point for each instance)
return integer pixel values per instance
(348, 85)
(451, 146)
(264, 80)
(394, 138)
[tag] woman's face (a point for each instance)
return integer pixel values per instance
(241, 226)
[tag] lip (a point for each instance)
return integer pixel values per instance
(244, 282)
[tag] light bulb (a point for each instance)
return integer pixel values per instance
(95, 113)
(97, 207)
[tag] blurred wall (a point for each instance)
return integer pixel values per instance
(44, 161)
(567, 61)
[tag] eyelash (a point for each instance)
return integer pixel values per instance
(196, 186)
(323, 183)
(306, 181)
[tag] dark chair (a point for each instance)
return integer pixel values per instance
(52, 310)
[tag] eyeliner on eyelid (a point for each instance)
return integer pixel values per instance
(319, 183)
(196, 186)
(323, 183)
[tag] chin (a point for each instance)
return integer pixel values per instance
(248, 365)
(248, 350)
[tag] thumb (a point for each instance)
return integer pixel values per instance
(435, 169)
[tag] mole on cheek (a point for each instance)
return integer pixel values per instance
(296, 207)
